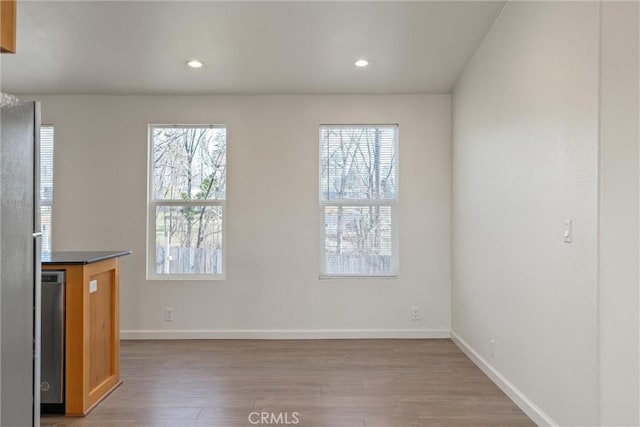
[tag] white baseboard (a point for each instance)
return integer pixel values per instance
(281, 334)
(528, 407)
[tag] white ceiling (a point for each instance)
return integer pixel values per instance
(140, 47)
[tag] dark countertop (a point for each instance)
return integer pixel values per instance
(82, 257)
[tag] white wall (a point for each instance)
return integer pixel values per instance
(525, 158)
(619, 215)
(272, 286)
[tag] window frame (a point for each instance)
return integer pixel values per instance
(392, 203)
(153, 204)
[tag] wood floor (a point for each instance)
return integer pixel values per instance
(326, 383)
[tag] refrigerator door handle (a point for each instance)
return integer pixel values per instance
(39, 234)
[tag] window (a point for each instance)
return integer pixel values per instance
(358, 198)
(46, 184)
(187, 192)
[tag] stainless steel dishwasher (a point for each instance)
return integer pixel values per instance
(52, 347)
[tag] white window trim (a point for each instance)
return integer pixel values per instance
(393, 203)
(152, 204)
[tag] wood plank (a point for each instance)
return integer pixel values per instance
(390, 383)
(8, 13)
(101, 375)
(115, 338)
(101, 329)
(104, 356)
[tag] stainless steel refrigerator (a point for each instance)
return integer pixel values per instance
(19, 265)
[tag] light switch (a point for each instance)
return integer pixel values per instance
(93, 286)
(567, 231)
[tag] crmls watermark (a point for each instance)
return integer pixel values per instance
(274, 418)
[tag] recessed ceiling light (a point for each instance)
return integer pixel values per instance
(361, 63)
(194, 63)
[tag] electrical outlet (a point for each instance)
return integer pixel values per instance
(493, 348)
(168, 314)
(415, 313)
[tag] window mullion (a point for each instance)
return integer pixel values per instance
(359, 202)
(188, 202)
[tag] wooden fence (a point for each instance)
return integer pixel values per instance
(188, 260)
(358, 264)
(209, 261)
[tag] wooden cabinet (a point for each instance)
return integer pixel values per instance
(8, 26)
(92, 332)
